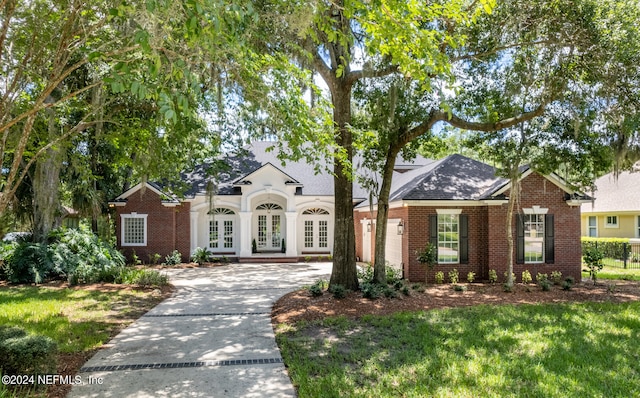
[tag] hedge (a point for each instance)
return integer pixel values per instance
(609, 247)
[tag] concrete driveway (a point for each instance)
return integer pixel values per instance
(212, 338)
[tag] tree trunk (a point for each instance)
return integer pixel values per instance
(379, 266)
(514, 197)
(46, 182)
(344, 238)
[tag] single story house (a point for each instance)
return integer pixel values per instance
(261, 210)
(615, 211)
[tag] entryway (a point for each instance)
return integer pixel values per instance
(270, 227)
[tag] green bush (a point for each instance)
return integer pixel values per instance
(201, 255)
(22, 353)
(609, 247)
(493, 276)
(28, 263)
(389, 292)
(471, 276)
(173, 258)
(370, 290)
(142, 277)
(526, 277)
(542, 277)
(556, 277)
(545, 285)
(439, 277)
(593, 258)
(338, 291)
(460, 288)
(75, 254)
(454, 276)
(394, 275)
(317, 289)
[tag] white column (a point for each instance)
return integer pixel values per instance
(245, 233)
(292, 243)
(194, 231)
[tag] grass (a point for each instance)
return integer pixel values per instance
(78, 320)
(568, 350)
(616, 273)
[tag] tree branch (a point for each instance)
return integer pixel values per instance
(362, 73)
(322, 68)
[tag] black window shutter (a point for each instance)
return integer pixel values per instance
(433, 231)
(549, 246)
(519, 239)
(464, 239)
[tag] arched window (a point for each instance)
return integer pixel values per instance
(269, 206)
(316, 211)
(222, 210)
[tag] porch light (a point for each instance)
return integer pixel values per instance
(400, 228)
(368, 227)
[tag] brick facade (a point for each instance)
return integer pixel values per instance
(487, 235)
(168, 227)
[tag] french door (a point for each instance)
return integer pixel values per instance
(269, 232)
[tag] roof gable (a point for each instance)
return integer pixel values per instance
(269, 168)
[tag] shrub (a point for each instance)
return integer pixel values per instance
(365, 273)
(439, 277)
(545, 285)
(507, 287)
(568, 283)
(609, 247)
(493, 276)
(135, 258)
(593, 258)
(173, 258)
(22, 353)
(28, 263)
(370, 290)
(460, 288)
(454, 276)
(471, 276)
(416, 286)
(428, 255)
(141, 277)
(307, 259)
(405, 290)
(389, 292)
(317, 289)
(201, 255)
(542, 277)
(338, 291)
(526, 277)
(556, 277)
(154, 258)
(394, 275)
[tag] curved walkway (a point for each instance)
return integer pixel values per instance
(212, 338)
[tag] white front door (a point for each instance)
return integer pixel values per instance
(270, 231)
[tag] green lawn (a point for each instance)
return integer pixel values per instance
(568, 350)
(78, 320)
(609, 272)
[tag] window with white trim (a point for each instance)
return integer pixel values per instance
(611, 222)
(593, 226)
(448, 238)
(533, 238)
(134, 229)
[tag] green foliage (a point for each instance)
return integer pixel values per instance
(609, 247)
(513, 276)
(317, 289)
(254, 246)
(593, 259)
(454, 276)
(493, 276)
(201, 255)
(471, 276)
(389, 292)
(154, 258)
(542, 277)
(143, 277)
(405, 290)
(394, 275)
(526, 277)
(439, 277)
(507, 288)
(460, 288)
(173, 258)
(135, 258)
(338, 291)
(568, 283)
(371, 290)
(556, 277)
(22, 353)
(545, 285)
(75, 254)
(307, 259)
(428, 255)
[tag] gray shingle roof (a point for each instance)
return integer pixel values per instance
(613, 195)
(255, 156)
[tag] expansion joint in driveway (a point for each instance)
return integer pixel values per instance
(205, 314)
(176, 365)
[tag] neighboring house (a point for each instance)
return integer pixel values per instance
(615, 211)
(460, 206)
(288, 211)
